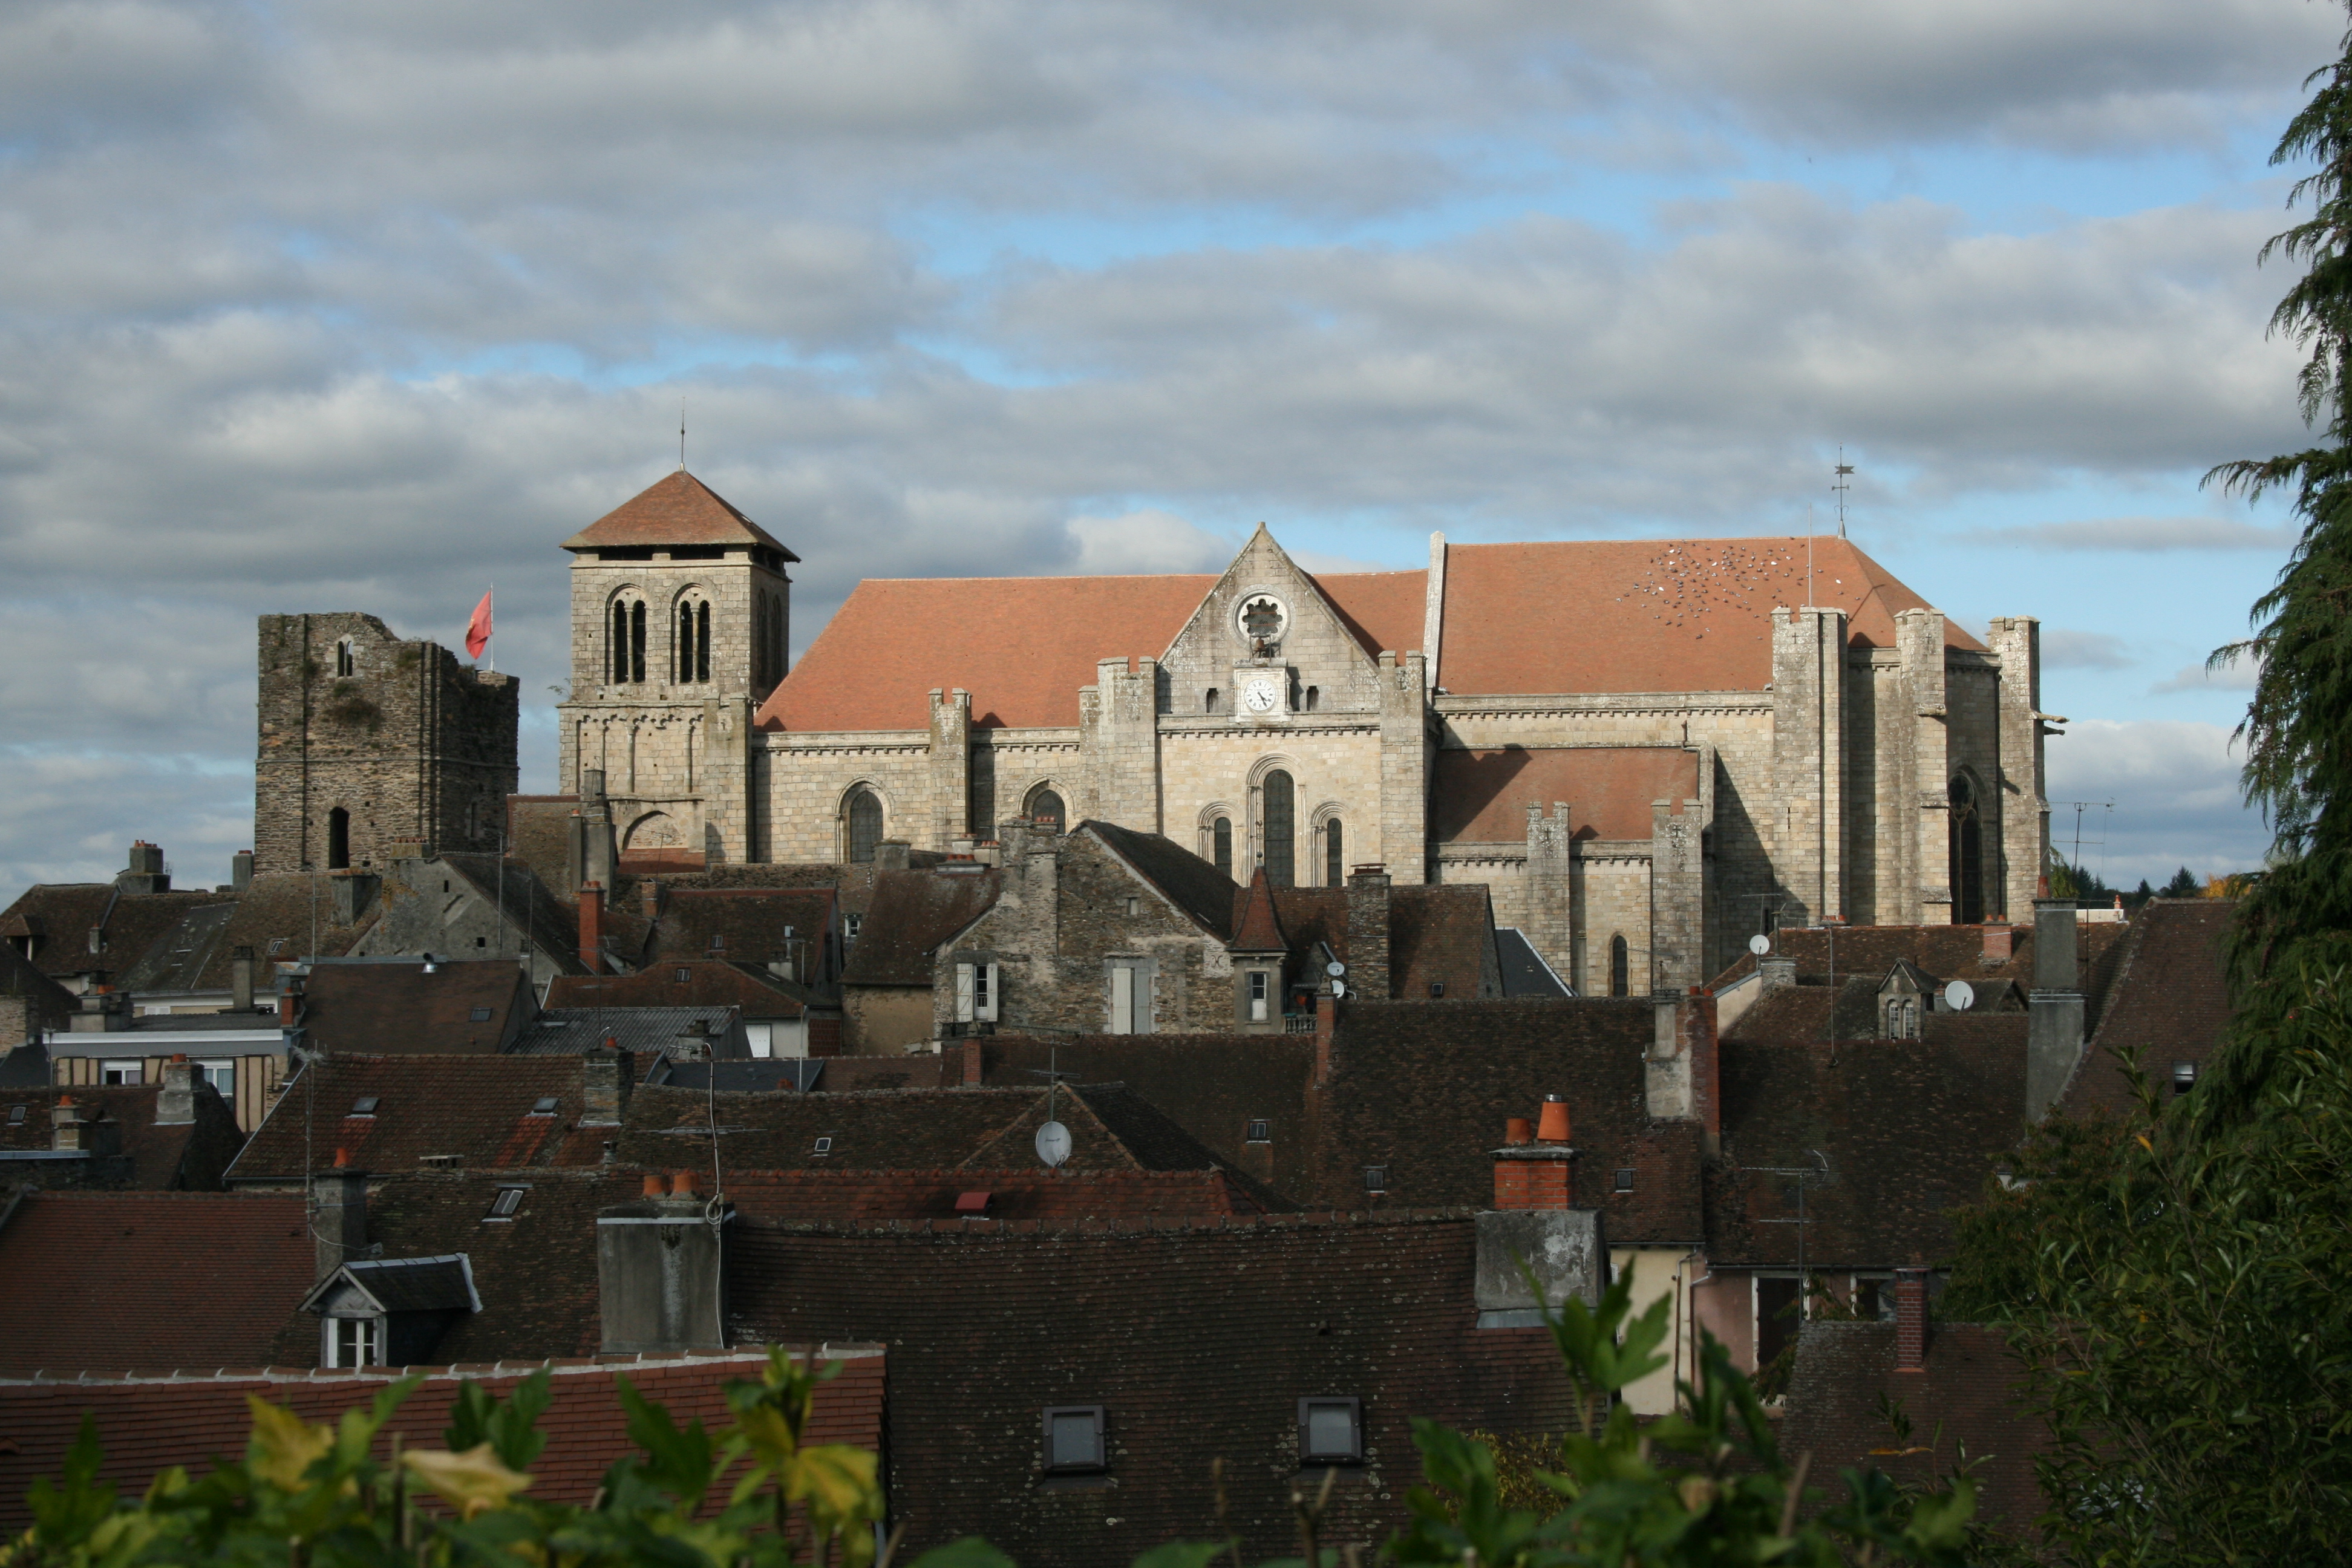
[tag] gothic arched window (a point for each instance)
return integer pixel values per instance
(628, 642)
(1047, 810)
(344, 662)
(1281, 826)
(865, 824)
(1221, 839)
(1335, 868)
(1967, 837)
(1620, 980)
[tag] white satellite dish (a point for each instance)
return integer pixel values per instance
(1053, 1143)
(1335, 969)
(1959, 996)
(1759, 944)
(1338, 991)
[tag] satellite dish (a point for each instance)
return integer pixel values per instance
(1053, 1143)
(1959, 996)
(1339, 990)
(1759, 944)
(1335, 969)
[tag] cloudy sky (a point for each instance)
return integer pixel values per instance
(367, 304)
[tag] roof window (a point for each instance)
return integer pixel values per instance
(1376, 1178)
(277, 946)
(16, 1116)
(1330, 1431)
(2184, 1077)
(366, 1104)
(1625, 1178)
(503, 1207)
(479, 1015)
(682, 975)
(543, 1106)
(824, 1146)
(1437, 988)
(1261, 1131)
(1074, 1437)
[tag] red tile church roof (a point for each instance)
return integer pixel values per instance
(677, 508)
(1554, 617)
(1482, 797)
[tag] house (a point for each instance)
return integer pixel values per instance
(413, 1005)
(2168, 1004)
(887, 985)
(242, 1055)
(150, 1421)
(31, 1004)
(780, 1016)
(175, 1134)
(475, 906)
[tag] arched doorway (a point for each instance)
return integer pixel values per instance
(1967, 832)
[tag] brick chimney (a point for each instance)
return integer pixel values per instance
(1368, 933)
(289, 1002)
(1538, 1172)
(1911, 1318)
(592, 927)
(2000, 944)
(649, 896)
(240, 979)
(974, 1063)
(1682, 1073)
(176, 1106)
(606, 1076)
(76, 1126)
(337, 1213)
(104, 1010)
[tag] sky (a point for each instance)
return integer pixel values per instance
(369, 304)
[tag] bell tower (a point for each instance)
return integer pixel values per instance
(681, 616)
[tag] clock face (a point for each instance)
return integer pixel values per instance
(1261, 696)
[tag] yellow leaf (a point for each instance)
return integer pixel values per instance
(769, 1434)
(283, 1445)
(835, 1479)
(474, 1480)
(2146, 1144)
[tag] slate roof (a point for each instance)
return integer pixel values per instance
(708, 984)
(156, 1157)
(478, 1108)
(911, 914)
(20, 977)
(2169, 999)
(875, 1130)
(535, 1271)
(177, 959)
(1965, 1395)
(648, 1031)
(1441, 935)
(1159, 1143)
(1911, 1129)
(760, 1075)
(148, 1424)
(1191, 883)
(533, 905)
(1481, 796)
(677, 508)
(748, 924)
(1522, 968)
(1648, 616)
(1198, 1340)
(62, 914)
(1029, 1194)
(410, 1284)
(372, 1007)
(114, 1272)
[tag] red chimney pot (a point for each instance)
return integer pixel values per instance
(1518, 1130)
(681, 1185)
(653, 1187)
(1553, 1127)
(342, 1158)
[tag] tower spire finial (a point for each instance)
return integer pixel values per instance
(1840, 486)
(681, 434)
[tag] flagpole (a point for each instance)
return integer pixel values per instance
(489, 643)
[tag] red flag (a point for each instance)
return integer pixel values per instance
(477, 630)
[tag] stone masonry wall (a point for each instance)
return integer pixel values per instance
(411, 745)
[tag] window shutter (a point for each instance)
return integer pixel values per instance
(964, 993)
(1122, 1000)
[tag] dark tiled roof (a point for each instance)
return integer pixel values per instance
(149, 1426)
(1159, 1143)
(1424, 1091)
(1031, 1193)
(846, 1075)
(371, 1006)
(61, 915)
(2167, 999)
(19, 977)
(1800, 1014)
(760, 1075)
(648, 1031)
(176, 961)
(1945, 951)
(748, 924)
(553, 921)
(26, 1067)
(476, 1108)
(115, 1272)
(1911, 1129)
(414, 1284)
(708, 984)
(912, 913)
(538, 834)
(879, 1129)
(781, 874)
(1966, 1396)
(156, 1157)
(1266, 918)
(1523, 969)
(535, 1270)
(1197, 1341)
(677, 508)
(1191, 883)
(1441, 936)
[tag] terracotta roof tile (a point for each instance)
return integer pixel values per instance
(708, 984)
(746, 923)
(1258, 927)
(1444, 936)
(677, 508)
(1481, 796)
(1029, 1193)
(476, 1108)
(156, 1156)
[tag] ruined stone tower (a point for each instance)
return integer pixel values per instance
(681, 624)
(367, 740)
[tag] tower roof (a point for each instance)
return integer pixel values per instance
(677, 508)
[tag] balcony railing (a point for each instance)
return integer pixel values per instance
(1298, 1023)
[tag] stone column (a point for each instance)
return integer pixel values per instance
(2021, 828)
(949, 766)
(1405, 767)
(1119, 738)
(1924, 891)
(1552, 888)
(1808, 652)
(1677, 895)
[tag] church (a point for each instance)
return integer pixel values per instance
(1648, 751)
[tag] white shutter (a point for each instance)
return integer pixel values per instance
(963, 993)
(986, 1004)
(1122, 1000)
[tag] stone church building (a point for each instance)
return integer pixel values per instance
(1648, 750)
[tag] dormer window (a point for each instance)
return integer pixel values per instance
(354, 1342)
(824, 1146)
(479, 1015)
(1074, 1437)
(1260, 1130)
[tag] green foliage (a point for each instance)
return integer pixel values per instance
(2298, 746)
(2176, 1289)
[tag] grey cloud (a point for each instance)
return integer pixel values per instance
(2084, 650)
(2148, 534)
(2175, 801)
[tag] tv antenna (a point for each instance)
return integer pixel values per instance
(2100, 843)
(1838, 488)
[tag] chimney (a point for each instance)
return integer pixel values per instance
(2000, 944)
(1911, 1316)
(606, 1076)
(176, 1106)
(649, 896)
(1327, 1022)
(240, 870)
(1682, 1074)
(75, 1126)
(103, 1011)
(975, 1064)
(354, 892)
(1778, 973)
(2053, 1026)
(339, 1213)
(890, 855)
(145, 872)
(240, 979)
(289, 1002)
(693, 1042)
(657, 1271)
(592, 927)
(1535, 1227)
(1368, 932)
(1537, 1173)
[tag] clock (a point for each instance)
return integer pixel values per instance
(1262, 695)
